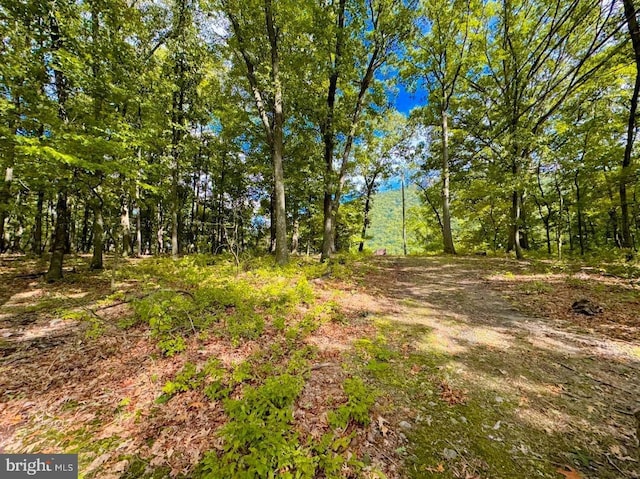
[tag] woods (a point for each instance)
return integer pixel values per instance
(182, 127)
(220, 223)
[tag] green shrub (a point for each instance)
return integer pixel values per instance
(212, 375)
(259, 440)
(359, 403)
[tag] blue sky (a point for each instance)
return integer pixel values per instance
(404, 101)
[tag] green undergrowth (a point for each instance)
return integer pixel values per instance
(201, 293)
(260, 440)
(199, 296)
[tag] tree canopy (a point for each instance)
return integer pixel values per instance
(180, 126)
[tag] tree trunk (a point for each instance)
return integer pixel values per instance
(516, 218)
(175, 208)
(36, 245)
(446, 214)
(59, 239)
(634, 33)
(159, 231)
(367, 209)
(5, 197)
(98, 235)
(295, 236)
(282, 250)
(60, 236)
(125, 223)
(404, 220)
(328, 137)
(138, 225)
(581, 228)
(328, 238)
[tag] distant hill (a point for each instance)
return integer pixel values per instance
(385, 230)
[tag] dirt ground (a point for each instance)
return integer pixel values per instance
(531, 388)
(481, 370)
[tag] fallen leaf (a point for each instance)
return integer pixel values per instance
(439, 468)
(569, 473)
(383, 429)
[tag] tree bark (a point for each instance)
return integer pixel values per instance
(404, 220)
(328, 137)
(61, 228)
(59, 238)
(36, 245)
(5, 196)
(277, 144)
(447, 236)
(98, 235)
(581, 228)
(367, 209)
(125, 223)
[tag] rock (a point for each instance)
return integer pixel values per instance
(586, 307)
(405, 425)
(8, 334)
(499, 399)
(55, 322)
(380, 252)
(449, 454)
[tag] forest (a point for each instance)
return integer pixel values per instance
(322, 238)
(179, 127)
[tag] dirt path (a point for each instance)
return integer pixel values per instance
(520, 396)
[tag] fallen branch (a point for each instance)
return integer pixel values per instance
(614, 465)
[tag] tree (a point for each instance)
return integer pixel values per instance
(631, 15)
(442, 58)
(357, 48)
(250, 35)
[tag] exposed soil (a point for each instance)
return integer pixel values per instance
(545, 395)
(481, 367)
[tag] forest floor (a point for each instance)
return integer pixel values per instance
(438, 367)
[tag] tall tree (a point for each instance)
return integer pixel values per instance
(440, 59)
(631, 15)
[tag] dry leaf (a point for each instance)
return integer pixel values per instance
(569, 473)
(383, 429)
(439, 468)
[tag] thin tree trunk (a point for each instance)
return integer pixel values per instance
(159, 231)
(5, 196)
(446, 214)
(277, 143)
(98, 235)
(580, 219)
(367, 209)
(36, 245)
(59, 239)
(138, 224)
(404, 220)
(125, 224)
(295, 236)
(634, 33)
(328, 137)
